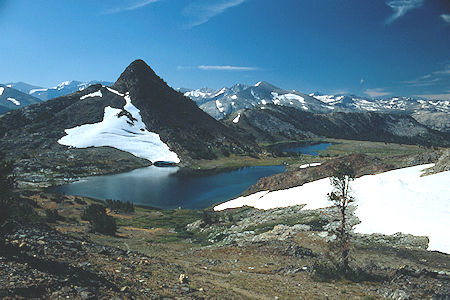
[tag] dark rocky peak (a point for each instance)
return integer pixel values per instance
(137, 75)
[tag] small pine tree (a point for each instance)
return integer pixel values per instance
(99, 220)
(342, 199)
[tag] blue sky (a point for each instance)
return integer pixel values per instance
(365, 47)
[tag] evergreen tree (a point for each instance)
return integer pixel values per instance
(342, 199)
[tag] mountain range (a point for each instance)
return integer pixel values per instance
(62, 89)
(223, 102)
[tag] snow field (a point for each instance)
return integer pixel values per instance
(395, 201)
(122, 129)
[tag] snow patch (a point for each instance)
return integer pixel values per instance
(122, 129)
(61, 85)
(9, 85)
(91, 95)
(14, 101)
(309, 165)
(36, 91)
(324, 98)
(258, 83)
(236, 120)
(219, 106)
(290, 98)
(234, 97)
(220, 92)
(404, 202)
(254, 95)
(115, 92)
(1, 90)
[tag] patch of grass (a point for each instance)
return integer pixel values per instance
(149, 218)
(385, 151)
(176, 220)
(261, 228)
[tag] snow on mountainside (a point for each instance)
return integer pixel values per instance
(11, 99)
(22, 86)
(418, 205)
(64, 88)
(221, 103)
(122, 129)
(389, 105)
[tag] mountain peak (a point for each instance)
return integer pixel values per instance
(266, 85)
(138, 72)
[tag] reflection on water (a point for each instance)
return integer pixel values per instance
(163, 188)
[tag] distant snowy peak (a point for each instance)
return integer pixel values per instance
(221, 103)
(388, 105)
(22, 86)
(64, 88)
(200, 93)
(11, 99)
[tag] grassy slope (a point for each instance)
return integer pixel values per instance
(388, 152)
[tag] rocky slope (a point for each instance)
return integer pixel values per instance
(243, 253)
(436, 120)
(276, 123)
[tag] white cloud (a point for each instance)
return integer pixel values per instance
(226, 68)
(401, 7)
(445, 96)
(445, 71)
(129, 6)
(201, 12)
(377, 92)
(446, 18)
(433, 78)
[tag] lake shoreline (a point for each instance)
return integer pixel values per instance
(165, 188)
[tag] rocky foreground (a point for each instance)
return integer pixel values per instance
(237, 254)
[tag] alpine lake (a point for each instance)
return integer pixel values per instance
(171, 187)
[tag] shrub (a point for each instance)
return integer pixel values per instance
(51, 216)
(99, 220)
(209, 217)
(119, 206)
